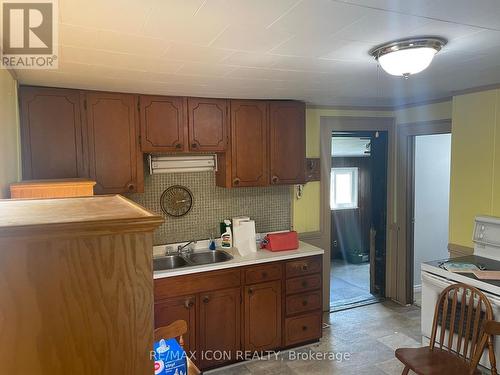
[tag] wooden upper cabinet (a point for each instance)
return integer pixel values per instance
(207, 124)
(163, 123)
(51, 134)
(262, 315)
(113, 132)
(249, 135)
(287, 138)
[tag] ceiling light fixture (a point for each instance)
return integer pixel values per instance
(407, 56)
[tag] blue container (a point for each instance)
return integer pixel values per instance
(170, 358)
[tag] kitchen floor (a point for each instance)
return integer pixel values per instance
(349, 284)
(368, 335)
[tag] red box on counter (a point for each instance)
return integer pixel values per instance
(281, 241)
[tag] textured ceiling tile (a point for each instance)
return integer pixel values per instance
(125, 16)
(81, 37)
(178, 21)
(318, 17)
(256, 13)
(237, 37)
(191, 52)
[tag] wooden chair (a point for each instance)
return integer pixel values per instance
(467, 316)
(176, 330)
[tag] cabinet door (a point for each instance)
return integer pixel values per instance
(163, 123)
(219, 329)
(179, 308)
(207, 124)
(287, 140)
(115, 160)
(51, 134)
(262, 325)
(249, 133)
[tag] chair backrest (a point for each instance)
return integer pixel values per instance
(175, 330)
(459, 316)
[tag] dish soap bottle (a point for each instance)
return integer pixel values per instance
(227, 236)
(211, 242)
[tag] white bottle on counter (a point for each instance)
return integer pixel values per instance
(227, 236)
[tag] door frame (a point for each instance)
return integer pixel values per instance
(406, 134)
(329, 124)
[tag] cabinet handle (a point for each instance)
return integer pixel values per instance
(236, 181)
(188, 304)
(305, 267)
(178, 146)
(275, 179)
(304, 328)
(130, 187)
(264, 274)
(250, 291)
(194, 145)
(304, 303)
(304, 284)
(206, 299)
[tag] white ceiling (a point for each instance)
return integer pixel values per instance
(312, 50)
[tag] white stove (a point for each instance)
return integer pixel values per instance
(435, 277)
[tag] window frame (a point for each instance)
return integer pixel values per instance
(354, 204)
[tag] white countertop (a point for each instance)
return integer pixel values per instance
(261, 256)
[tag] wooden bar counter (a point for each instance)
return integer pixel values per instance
(76, 286)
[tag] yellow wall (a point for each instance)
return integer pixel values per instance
(426, 112)
(9, 130)
(306, 211)
(475, 162)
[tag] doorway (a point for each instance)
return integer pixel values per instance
(424, 153)
(358, 209)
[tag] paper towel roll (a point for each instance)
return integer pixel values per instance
(244, 237)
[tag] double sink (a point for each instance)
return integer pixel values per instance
(169, 262)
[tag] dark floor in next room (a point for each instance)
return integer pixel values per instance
(349, 284)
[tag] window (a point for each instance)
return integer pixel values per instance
(344, 188)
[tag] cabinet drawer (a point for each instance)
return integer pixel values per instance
(196, 283)
(268, 272)
(303, 284)
(300, 303)
(302, 328)
(303, 266)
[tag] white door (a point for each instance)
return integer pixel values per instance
(432, 196)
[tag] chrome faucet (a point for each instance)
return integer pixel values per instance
(180, 249)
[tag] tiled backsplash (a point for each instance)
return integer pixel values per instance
(270, 207)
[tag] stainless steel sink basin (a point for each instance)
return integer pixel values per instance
(207, 257)
(169, 262)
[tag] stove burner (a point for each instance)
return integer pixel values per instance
(481, 267)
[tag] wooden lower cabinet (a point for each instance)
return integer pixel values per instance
(255, 308)
(179, 308)
(219, 327)
(262, 317)
(302, 328)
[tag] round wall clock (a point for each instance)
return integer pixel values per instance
(176, 201)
